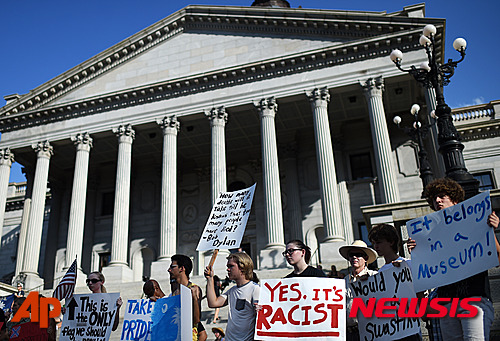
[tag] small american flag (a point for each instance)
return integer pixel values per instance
(66, 286)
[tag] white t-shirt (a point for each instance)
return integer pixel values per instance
(241, 321)
(388, 266)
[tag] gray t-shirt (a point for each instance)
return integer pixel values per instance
(241, 322)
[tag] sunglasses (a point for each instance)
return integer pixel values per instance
(289, 252)
(357, 255)
(92, 280)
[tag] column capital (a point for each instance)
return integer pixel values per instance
(125, 133)
(169, 123)
(319, 95)
(6, 157)
(266, 106)
(43, 149)
(82, 140)
(217, 115)
(373, 86)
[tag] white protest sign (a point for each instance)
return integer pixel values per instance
(89, 317)
(392, 283)
(452, 244)
(228, 219)
(137, 320)
(301, 308)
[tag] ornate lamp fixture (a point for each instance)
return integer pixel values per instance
(436, 75)
(417, 132)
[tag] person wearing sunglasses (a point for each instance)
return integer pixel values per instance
(298, 255)
(95, 282)
(359, 256)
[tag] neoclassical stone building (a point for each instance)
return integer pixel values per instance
(125, 153)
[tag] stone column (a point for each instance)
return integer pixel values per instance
(332, 219)
(74, 244)
(24, 223)
(294, 207)
(36, 216)
(168, 220)
(271, 255)
(345, 206)
(6, 159)
(218, 120)
(118, 268)
(386, 171)
(218, 176)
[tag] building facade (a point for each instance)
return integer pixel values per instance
(125, 153)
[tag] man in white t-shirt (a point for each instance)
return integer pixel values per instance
(242, 298)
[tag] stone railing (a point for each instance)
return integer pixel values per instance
(16, 189)
(481, 111)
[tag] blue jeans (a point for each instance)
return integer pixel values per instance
(470, 329)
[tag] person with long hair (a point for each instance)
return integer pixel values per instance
(298, 255)
(95, 282)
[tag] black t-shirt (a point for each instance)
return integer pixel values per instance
(477, 285)
(310, 271)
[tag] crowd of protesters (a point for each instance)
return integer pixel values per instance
(242, 298)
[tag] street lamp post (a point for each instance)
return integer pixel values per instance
(417, 133)
(434, 75)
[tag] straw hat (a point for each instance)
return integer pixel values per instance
(361, 246)
(218, 329)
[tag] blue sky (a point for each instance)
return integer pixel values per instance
(42, 39)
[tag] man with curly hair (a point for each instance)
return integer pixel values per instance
(444, 193)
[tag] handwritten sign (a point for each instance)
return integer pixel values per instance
(137, 320)
(89, 317)
(301, 308)
(391, 283)
(227, 221)
(172, 317)
(452, 244)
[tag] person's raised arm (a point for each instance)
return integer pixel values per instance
(212, 299)
(119, 303)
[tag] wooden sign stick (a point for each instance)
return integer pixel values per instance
(212, 260)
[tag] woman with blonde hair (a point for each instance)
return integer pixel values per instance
(95, 282)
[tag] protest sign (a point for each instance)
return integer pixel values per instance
(453, 243)
(172, 318)
(89, 317)
(137, 320)
(394, 284)
(301, 308)
(226, 225)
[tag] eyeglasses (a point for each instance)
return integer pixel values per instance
(92, 280)
(357, 255)
(172, 266)
(289, 252)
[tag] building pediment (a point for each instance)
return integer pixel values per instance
(328, 38)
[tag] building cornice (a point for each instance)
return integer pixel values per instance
(370, 34)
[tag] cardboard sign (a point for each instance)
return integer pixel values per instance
(228, 219)
(172, 318)
(307, 308)
(89, 317)
(452, 244)
(395, 282)
(137, 320)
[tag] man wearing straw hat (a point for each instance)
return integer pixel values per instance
(219, 333)
(359, 256)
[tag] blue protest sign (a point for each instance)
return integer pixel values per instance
(452, 244)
